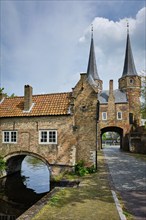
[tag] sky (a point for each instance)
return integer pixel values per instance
(46, 43)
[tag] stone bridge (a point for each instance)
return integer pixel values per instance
(58, 156)
(14, 162)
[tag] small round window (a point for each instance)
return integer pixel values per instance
(131, 81)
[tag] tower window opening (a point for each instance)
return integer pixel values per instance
(131, 81)
(119, 115)
(104, 116)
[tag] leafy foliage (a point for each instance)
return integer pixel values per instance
(82, 170)
(56, 199)
(143, 96)
(2, 164)
(104, 137)
(5, 94)
(33, 161)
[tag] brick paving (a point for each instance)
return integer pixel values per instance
(128, 177)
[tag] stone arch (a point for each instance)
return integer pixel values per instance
(113, 129)
(14, 161)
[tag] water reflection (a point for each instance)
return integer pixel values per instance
(21, 190)
(36, 175)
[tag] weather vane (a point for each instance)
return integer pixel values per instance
(92, 30)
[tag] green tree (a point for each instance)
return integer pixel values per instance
(1, 90)
(143, 94)
(2, 164)
(5, 94)
(104, 137)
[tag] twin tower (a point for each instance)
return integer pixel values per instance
(119, 110)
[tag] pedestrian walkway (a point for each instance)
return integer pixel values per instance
(128, 177)
(91, 200)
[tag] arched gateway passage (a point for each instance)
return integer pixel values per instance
(14, 161)
(113, 129)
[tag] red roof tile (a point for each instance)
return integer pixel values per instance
(48, 104)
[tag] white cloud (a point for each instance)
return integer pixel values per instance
(43, 44)
(110, 41)
(39, 46)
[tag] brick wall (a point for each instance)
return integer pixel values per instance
(76, 133)
(85, 110)
(137, 140)
(131, 85)
(28, 137)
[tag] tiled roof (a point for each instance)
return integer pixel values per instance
(120, 97)
(48, 104)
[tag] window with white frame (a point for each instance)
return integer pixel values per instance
(48, 137)
(104, 115)
(119, 115)
(9, 136)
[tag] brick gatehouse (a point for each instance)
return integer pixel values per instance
(63, 128)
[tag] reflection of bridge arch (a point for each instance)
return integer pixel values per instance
(14, 160)
(113, 129)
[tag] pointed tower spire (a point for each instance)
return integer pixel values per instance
(129, 66)
(92, 68)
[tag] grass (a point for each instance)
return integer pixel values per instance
(92, 200)
(128, 215)
(65, 176)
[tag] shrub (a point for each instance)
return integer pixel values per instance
(82, 170)
(2, 164)
(91, 169)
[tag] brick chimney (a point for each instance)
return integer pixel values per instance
(111, 90)
(111, 103)
(27, 98)
(111, 87)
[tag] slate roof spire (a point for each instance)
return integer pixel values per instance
(92, 68)
(129, 66)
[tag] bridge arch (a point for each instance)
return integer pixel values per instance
(113, 129)
(14, 161)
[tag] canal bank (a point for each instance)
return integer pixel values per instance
(92, 199)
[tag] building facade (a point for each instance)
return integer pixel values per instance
(63, 128)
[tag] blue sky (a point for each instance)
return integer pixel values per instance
(46, 43)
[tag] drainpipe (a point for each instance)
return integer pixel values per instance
(97, 119)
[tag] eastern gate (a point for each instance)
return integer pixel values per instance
(112, 129)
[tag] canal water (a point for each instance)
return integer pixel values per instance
(20, 191)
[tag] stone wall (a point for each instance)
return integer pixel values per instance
(76, 133)
(137, 140)
(112, 116)
(112, 122)
(62, 153)
(85, 123)
(131, 85)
